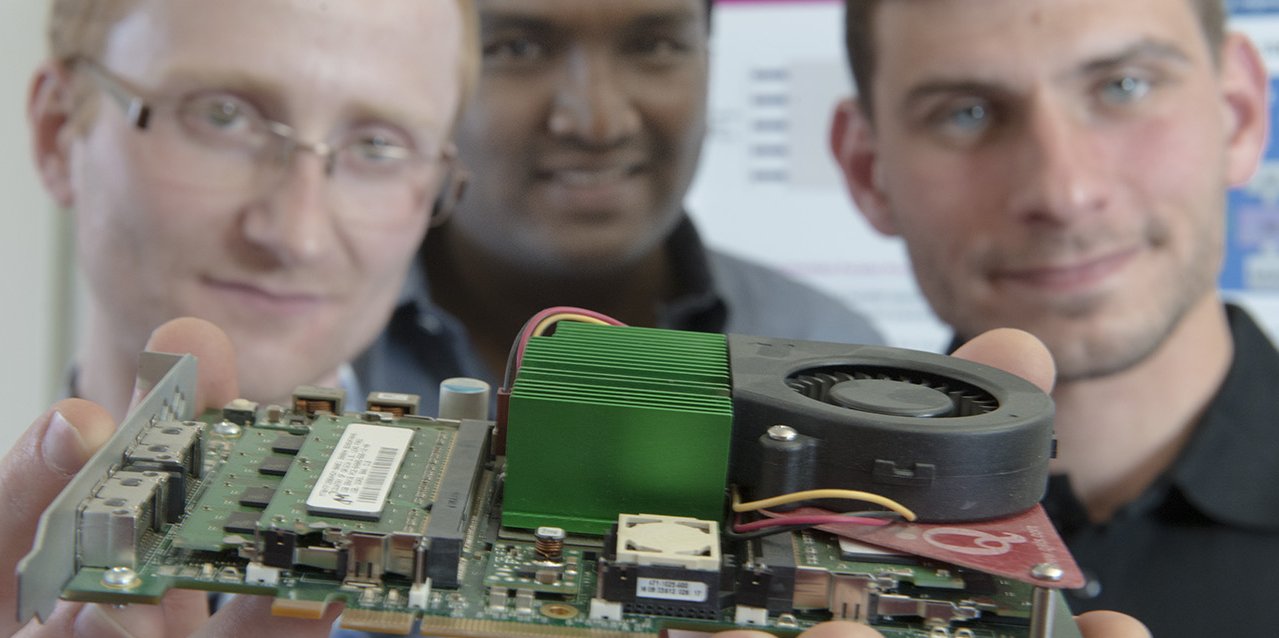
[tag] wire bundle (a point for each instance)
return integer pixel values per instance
(775, 523)
(539, 324)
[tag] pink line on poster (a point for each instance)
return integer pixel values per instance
(775, 1)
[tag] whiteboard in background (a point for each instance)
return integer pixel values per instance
(767, 187)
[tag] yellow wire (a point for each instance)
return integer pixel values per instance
(807, 495)
(549, 321)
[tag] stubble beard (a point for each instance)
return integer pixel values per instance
(1111, 335)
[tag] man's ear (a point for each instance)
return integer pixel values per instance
(452, 188)
(852, 142)
(1244, 83)
(51, 121)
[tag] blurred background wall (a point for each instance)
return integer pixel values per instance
(35, 309)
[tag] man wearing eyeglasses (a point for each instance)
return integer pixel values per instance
(267, 165)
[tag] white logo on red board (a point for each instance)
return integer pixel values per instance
(972, 542)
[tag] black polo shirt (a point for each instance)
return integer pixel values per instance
(1197, 554)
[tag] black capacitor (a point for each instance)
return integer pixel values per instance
(787, 461)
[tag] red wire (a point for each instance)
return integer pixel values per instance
(808, 519)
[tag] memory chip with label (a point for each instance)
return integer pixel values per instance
(359, 474)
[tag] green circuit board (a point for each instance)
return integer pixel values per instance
(398, 516)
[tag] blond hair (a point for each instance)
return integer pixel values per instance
(79, 29)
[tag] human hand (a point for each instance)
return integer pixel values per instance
(1015, 351)
(834, 629)
(1024, 355)
(1094, 624)
(49, 454)
(1110, 624)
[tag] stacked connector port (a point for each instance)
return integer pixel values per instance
(130, 507)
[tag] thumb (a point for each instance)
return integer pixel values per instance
(58, 444)
(32, 474)
(1015, 351)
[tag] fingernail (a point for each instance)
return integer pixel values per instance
(62, 447)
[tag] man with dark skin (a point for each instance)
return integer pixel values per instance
(1061, 166)
(583, 138)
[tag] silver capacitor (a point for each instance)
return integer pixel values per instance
(464, 398)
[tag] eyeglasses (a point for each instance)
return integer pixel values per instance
(379, 174)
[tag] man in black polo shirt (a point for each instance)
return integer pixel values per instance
(1061, 167)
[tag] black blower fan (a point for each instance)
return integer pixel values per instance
(951, 439)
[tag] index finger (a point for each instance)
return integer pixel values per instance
(216, 383)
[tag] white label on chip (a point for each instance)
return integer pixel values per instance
(851, 549)
(359, 474)
(669, 589)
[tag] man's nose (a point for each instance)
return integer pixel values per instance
(1063, 169)
(593, 102)
(293, 221)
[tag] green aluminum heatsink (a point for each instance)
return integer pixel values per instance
(605, 420)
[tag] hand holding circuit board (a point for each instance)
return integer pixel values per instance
(1097, 624)
(36, 470)
(50, 453)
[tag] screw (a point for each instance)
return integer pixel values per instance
(1048, 572)
(120, 578)
(226, 428)
(782, 433)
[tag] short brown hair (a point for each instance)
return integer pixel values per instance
(859, 38)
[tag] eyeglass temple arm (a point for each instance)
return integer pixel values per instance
(136, 109)
(138, 112)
